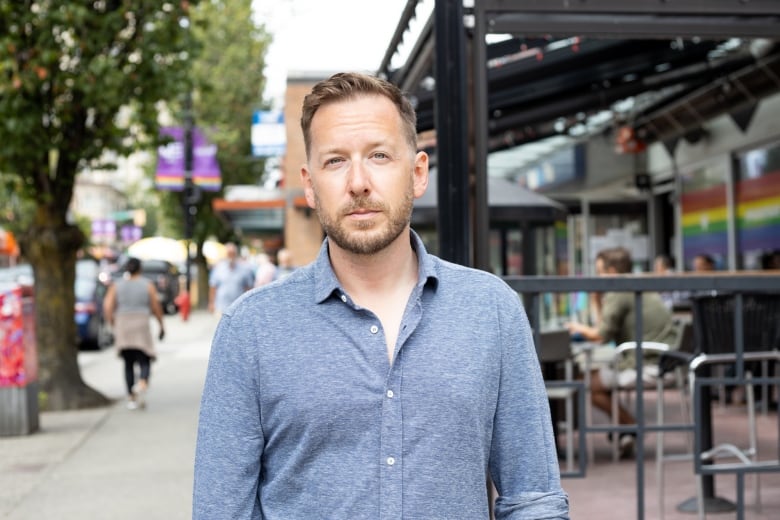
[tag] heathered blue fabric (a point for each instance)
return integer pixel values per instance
(298, 420)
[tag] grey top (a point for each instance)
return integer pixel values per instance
(303, 417)
(132, 296)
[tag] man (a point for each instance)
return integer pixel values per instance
(617, 324)
(378, 382)
(284, 263)
(228, 280)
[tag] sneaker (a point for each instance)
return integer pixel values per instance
(626, 445)
(132, 405)
(140, 394)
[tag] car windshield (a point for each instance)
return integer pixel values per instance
(156, 266)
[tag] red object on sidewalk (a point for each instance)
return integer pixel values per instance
(183, 303)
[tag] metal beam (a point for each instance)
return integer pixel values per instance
(651, 7)
(480, 125)
(451, 123)
(635, 26)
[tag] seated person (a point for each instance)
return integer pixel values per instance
(703, 263)
(617, 324)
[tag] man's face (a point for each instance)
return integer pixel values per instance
(362, 176)
(600, 270)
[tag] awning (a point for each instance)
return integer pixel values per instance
(508, 202)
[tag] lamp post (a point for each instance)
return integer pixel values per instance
(190, 193)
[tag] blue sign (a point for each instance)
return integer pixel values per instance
(269, 135)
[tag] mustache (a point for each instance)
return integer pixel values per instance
(362, 202)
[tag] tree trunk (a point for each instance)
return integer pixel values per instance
(51, 249)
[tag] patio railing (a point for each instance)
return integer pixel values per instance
(533, 288)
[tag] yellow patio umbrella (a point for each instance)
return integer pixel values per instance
(213, 251)
(159, 248)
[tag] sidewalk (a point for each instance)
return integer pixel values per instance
(115, 464)
(112, 462)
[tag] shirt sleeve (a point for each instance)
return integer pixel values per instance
(230, 439)
(523, 456)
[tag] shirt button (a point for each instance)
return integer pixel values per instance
(390, 461)
(344, 298)
(390, 394)
(374, 329)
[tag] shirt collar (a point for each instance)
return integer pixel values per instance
(326, 283)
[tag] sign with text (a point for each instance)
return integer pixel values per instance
(269, 136)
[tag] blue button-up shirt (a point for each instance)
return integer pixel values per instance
(303, 417)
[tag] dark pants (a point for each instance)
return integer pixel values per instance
(131, 357)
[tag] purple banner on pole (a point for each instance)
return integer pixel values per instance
(170, 162)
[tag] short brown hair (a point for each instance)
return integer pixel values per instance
(617, 258)
(350, 85)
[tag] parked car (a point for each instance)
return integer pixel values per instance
(92, 330)
(165, 276)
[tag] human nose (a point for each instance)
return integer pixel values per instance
(358, 180)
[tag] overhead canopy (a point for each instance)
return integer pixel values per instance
(642, 71)
(256, 210)
(508, 202)
(663, 68)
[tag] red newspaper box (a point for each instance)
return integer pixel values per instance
(18, 363)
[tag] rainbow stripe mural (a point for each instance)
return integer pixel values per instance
(758, 213)
(705, 217)
(704, 222)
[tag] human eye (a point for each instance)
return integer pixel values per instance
(380, 156)
(333, 161)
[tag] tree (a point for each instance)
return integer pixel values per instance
(228, 79)
(78, 79)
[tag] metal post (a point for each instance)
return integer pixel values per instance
(188, 198)
(452, 144)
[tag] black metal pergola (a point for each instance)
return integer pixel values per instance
(565, 61)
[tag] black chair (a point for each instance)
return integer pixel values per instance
(725, 336)
(554, 347)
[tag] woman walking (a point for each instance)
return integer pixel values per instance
(127, 306)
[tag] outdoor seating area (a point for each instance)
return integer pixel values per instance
(609, 489)
(704, 443)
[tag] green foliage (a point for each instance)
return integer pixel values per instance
(78, 79)
(68, 69)
(16, 213)
(228, 81)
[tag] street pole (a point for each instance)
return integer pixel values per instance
(188, 199)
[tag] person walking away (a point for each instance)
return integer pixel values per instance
(284, 261)
(617, 325)
(228, 280)
(127, 306)
(265, 270)
(378, 381)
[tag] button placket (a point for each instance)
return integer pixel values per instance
(392, 442)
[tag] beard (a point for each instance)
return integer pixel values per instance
(368, 237)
